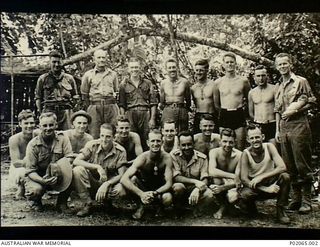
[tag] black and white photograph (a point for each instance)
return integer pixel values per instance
(184, 120)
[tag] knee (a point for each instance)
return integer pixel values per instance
(232, 196)
(34, 192)
(178, 188)
(167, 199)
(217, 181)
(78, 172)
(285, 177)
(208, 194)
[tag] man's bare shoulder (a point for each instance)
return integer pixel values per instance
(15, 139)
(215, 137)
(134, 137)
(197, 136)
(215, 151)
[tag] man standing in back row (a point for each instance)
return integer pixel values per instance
(230, 97)
(293, 131)
(175, 97)
(98, 88)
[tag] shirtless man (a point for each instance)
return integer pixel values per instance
(202, 94)
(17, 149)
(127, 139)
(230, 96)
(261, 104)
(263, 175)
(207, 140)
(170, 139)
(175, 98)
(150, 176)
(224, 168)
(78, 136)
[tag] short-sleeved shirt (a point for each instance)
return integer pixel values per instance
(39, 155)
(291, 91)
(50, 87)
(110, 162)
(196, 168)
(76, 142)
(98, 84)
(143, 95)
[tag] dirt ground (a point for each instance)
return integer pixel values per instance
(16, 213)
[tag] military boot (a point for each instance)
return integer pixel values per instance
(305, 207)
(282, 216)
(296, 196)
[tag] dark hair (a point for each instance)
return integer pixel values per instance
(228, 132)
(260, 67)
(55, 54)
(170, 60)
(229, 54)
(284, 55)
(207, 117)
(122, 118)
(185, 133)
(253, 126)
(134, 59)
(203, 62)
(25, 114)
(169, 121)
(109, 126)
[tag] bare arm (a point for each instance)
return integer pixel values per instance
(187, 95)
(213, 170)
(167, 175)
(162, 96)
(244, 174)
(137, 144)
(15, 153)
(85, 88)
(216, 95)
(251, 105)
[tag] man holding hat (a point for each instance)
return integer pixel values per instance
(56, 92)
(47, 167)
(77, 135)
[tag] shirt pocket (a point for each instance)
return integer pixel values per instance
(57, 154)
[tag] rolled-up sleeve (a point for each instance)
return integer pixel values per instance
(39, 88)
(31, 158)
(176, 169)
(87, 151)
(122, 95)
(204, 170)
(122, 160)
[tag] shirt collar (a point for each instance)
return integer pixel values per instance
(59, 77)
(193, 159)
(40, 141)
(112, 151)
(106, 71)
(293, 78)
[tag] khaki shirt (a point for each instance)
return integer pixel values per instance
(99, 84)
(50, 87)
(196, 168)
(291, 91)
(111, 162)
(39, 155)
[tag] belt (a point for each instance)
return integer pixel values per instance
(232, 109)
(266, 122)
(175, 105)
(105, 101)
(139, 108)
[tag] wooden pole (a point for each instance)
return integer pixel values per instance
(12, 94)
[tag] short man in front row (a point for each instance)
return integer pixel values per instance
(77, 135)
(127, 139)
(138, 99)
(98, 169)
(230, 97)
(293, 100)
(263, 175)
(175, 98)
(44, 156)
(56, 92)
(170, 139)
(261, 104)
(224, 168)
(150, 176)
(202, 94)
(206, 140)
(98, 88)
(17, 149)
(190, 172)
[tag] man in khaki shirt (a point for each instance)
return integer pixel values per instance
(99, 87)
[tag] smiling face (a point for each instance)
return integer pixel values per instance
(206, 127)
(134, 68)
(123, 129)
(47, 126)
(261, 77)
(80, 124)
(227, 143)
(283, 65)
(106, 138)
(27, 125)
(154, 142)
(201, 72)
(186, 145)
(55, 64)
(169, 131)
(171, 68)
(229, 64)
(255, 138)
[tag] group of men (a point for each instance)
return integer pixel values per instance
(124, 155)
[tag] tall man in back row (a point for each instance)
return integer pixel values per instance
(202, 94)
(56, 91)
(138, 99)
(293, 99)
(99, 87)
(230, 97)
(175, 99)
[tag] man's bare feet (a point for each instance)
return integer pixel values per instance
(219, 214)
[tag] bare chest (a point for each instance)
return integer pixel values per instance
(263, 96)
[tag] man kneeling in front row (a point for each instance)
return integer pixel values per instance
(263, 174)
